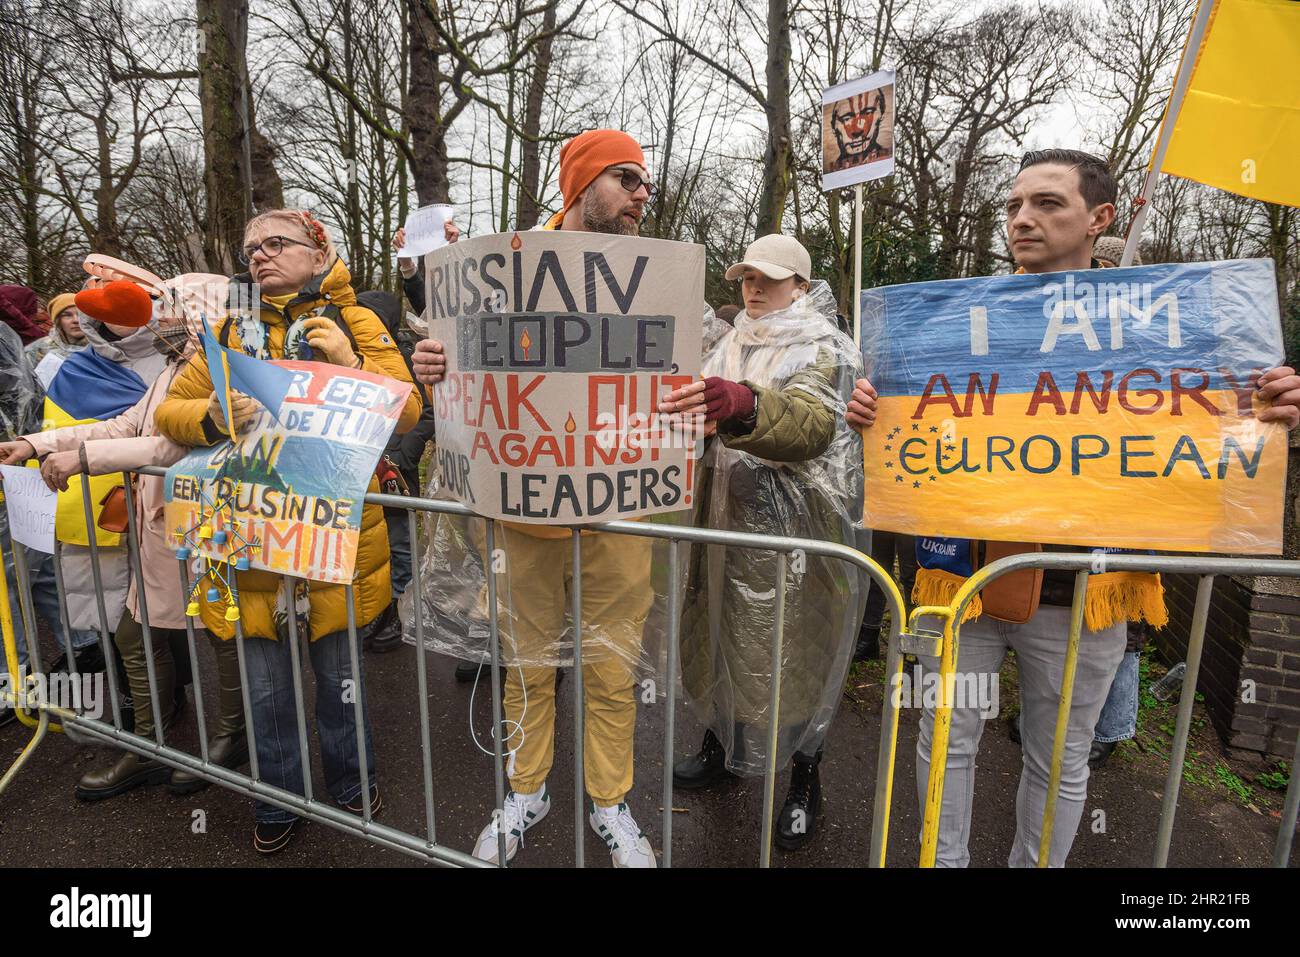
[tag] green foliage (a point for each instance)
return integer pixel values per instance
(1146, 700)
(1195, 772)
(1238, 788)
(873, 669)
(1275, 780)
(897, 256)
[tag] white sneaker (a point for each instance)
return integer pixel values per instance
(519, 814)
(628, 847)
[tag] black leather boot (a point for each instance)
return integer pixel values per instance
(702, 769)
(272, 838)
(798, 819)
(1099, 752)
(129, 772)
(229, 751)
(868, 646)
(467, 671)
(89, 659)
(386, 633)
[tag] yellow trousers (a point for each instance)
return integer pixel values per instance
(533, 595)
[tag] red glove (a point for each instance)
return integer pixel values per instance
(725, 400)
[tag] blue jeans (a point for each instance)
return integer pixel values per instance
(1119, 715)
(399, 548)
(270, 692)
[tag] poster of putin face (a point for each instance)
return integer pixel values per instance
(858, 130)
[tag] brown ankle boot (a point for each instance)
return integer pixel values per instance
(129, 772)
(227, 750)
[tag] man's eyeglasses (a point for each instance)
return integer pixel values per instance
(632, 181)
(270, 247)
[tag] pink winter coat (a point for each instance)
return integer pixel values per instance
(126, 442)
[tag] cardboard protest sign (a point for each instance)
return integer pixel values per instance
(1098, 408)
(559, 346)
(292, 485)
(31, 506)
(424, 230)
(858, 130)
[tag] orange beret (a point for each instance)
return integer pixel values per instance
(119, 303)
(588, 155)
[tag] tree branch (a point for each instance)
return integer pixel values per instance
(752, 90)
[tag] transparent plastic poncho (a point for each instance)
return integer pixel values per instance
(726, 595)
(624, 589)
(21, 396)
(623, 592)
(729, 606)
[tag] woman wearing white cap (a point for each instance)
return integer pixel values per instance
(781, 461)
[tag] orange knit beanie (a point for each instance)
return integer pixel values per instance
(588, 155)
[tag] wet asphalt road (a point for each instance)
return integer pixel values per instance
(41, 823)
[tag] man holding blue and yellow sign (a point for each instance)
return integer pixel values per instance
(1110, 410)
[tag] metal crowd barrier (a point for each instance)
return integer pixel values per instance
(425, 845)
(944, 646)
(915, 640)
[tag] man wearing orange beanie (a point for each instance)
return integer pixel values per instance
(605, 186)
(606, 160)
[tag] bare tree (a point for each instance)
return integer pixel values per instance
(452, 55)
(24, 45)
(727, 20)
(100, 118)
(1135, 50)
(239, 168)
(527, 203)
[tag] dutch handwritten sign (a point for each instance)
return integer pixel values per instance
(292, 490)
(558, 347)
(1100, 408)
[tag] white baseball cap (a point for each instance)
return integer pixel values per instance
(776, 257)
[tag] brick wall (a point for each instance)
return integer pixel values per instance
(1253, 632)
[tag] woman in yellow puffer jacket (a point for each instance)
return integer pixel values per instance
(293, 261)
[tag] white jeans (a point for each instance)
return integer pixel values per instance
(1040, 646)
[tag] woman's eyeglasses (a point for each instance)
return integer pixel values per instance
(270, 247)
(632, 181)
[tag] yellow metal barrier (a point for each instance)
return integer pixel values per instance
(14, 697)
(943, 712)
(945, 646)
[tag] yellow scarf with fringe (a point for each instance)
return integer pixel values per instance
(1111, 597)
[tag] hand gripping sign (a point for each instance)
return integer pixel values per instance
(558, 348)
(1107, 407)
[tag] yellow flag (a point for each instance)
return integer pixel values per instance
(1239, 127)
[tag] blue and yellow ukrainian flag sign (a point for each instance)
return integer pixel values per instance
(1108, 408)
